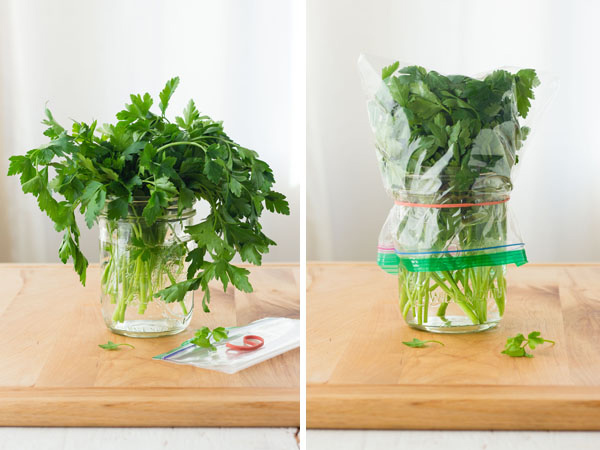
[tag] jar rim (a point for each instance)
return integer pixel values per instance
(171, 213)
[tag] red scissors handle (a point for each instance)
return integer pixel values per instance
(251, 342)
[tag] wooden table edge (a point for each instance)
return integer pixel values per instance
(446, 408)
(149, 407)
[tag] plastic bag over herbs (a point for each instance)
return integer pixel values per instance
(447, 146)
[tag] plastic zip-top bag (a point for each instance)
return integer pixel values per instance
(447, 148)
(279, 335)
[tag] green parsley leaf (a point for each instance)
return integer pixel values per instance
(112, 346)
(140, 105)
(275, 202)
(118, 208)
(515, 346)
(190, 114)
(239, 277)
(204, 335)
(389, 70)
(92, 201)
(166, 93)
(213, 170)
(176, 292)
(155, 206)
(133, 150)
(417, 343)
(525, 82)
(220, 334)
(235, 187)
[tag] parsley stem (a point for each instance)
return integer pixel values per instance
(125, 343)
(471, 289)
(172, 144)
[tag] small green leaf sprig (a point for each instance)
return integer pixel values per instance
(110, 345)
(515, 346)
(203, 337)
(145, 155)
(417, 343)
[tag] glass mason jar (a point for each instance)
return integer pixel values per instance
(137, 261)
(453, 277)
(453, 301)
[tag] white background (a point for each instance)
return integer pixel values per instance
(557, 196)
(235, 58)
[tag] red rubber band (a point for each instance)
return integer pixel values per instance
(449, 205)
(251, 342)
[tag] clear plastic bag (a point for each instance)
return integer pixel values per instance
(447, 147)
(280, 335)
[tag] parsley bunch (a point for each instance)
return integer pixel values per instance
(146, 156)
(450, 140)
(449, 112)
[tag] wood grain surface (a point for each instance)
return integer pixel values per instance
(360, 375)
(52, 372)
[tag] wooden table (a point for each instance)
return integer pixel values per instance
(52, 372)
(360, 375)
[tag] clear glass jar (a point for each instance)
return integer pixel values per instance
(453, 301)
(137, 261)
(449, 289)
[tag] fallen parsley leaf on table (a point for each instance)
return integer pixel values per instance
(203, 335)
(417, 343)
(515, 346)
(110, 345)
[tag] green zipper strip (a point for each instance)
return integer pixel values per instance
(388, 262)
(438, 264)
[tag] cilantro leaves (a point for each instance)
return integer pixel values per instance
(515, 346)
(100, 170)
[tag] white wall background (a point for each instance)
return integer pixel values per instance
(557, 195)
(235, 58)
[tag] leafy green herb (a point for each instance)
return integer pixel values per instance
(417, 343)
(203, 337)
(515, 346)
(110, 345)
(450, 111)
(145, 155)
